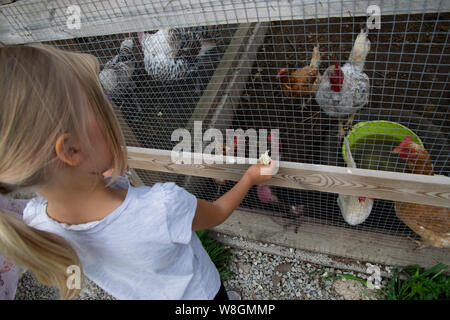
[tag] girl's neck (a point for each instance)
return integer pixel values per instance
(79, 203)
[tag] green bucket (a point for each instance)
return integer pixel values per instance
(391, 130)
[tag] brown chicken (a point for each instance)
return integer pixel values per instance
(431, 223)
(301, 82)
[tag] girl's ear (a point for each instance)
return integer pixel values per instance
(68, 150)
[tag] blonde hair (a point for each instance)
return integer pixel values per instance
(46, 92)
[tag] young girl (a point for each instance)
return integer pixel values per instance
(58, 134)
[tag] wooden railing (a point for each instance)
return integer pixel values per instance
(423, 189)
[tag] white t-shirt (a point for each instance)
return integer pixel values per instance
(145, 249)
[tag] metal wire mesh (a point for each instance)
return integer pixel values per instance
(222, 69)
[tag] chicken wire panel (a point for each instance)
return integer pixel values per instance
(408, 70)
(234, 66)
(294, 208)
(154, 98)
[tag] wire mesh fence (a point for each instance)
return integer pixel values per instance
(240, 65)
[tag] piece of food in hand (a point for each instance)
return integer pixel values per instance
(265, 158)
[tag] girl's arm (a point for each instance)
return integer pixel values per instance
(209, 215)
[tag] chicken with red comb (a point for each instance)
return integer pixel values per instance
(301, 82)
(355, 209)
(343, 91)
(336, 78)
(417, 158)
(430, 222)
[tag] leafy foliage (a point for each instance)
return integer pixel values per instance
(218, 254)
(419, 284)
(411, 283)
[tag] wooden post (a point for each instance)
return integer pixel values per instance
(43, 20)
(216, 107)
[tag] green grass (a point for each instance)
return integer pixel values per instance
(412, 283)
(418, 284)
(218, 254)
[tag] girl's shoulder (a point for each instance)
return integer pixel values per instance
(163, 192)
(165, 187)
(177, 208)
(32, 214)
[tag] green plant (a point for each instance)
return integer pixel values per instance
(416, 283)
(347, 276)
(218, 254)
(411, 283)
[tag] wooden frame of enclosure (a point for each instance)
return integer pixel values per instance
(46, 20)
(429, 190)
(231, 73)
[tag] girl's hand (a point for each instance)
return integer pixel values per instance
(209, 215)
(258, 173)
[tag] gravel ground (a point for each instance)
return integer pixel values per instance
(260, 271)
(266, 271)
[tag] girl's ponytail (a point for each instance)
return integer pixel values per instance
(45, 254)
(48, 92)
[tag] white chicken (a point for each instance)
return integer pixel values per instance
(116, 75)
(171, 54)
(354, 209)
(343, 91)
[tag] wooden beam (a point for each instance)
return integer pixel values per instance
(42, 20)
(230, 98)
(221, 76)
(3, 2)
(430, 190)
(216, 107)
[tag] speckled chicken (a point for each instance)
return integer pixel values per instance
(172, 54)
(344, 91)
(116, 76)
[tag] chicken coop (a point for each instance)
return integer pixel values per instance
(357, 94)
